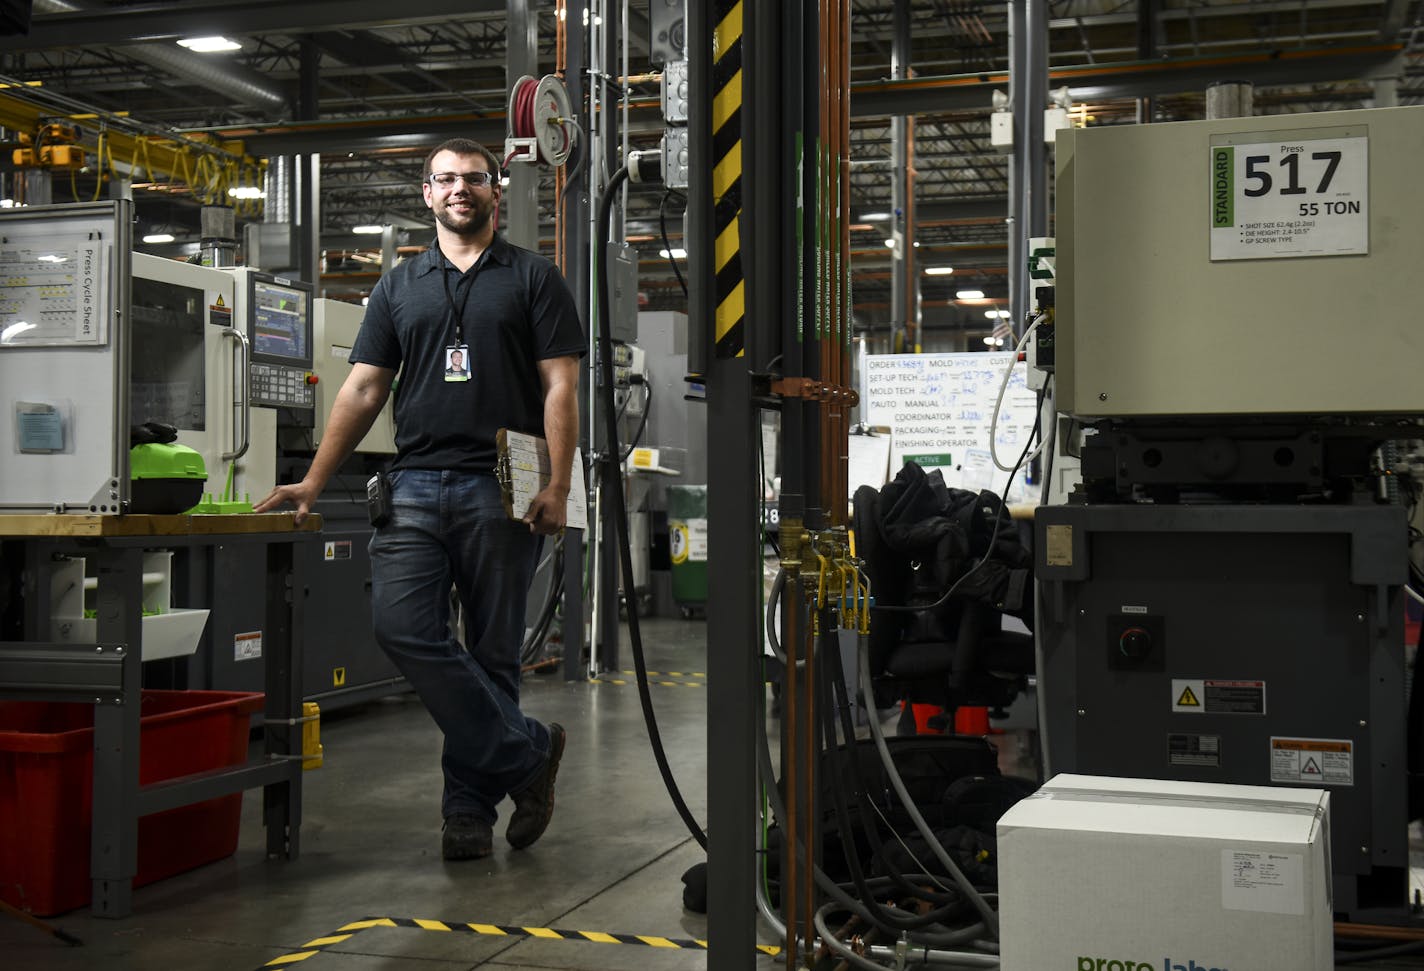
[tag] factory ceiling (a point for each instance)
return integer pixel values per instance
(370, 85)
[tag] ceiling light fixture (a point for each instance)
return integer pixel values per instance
(969, 295)
(938, 270)
(368, 230)
(246, 192)
(676, 253)
(209, 45)
(158, 238)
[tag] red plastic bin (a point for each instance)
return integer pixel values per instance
(47, 783)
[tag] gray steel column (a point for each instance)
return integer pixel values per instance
(1036, 98)
(388, 249)
(1146, 51)
(113, 851)
(1230, 99)
(521, 210)
(576, 258)
(606, 553)
(900, 309)
(307, 184)
(1028, 183)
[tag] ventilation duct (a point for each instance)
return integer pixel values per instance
(213, 73)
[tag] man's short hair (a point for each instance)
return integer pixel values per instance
(462, 146)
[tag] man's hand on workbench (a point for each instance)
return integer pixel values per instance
(300, 494)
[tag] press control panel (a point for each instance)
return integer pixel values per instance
(279, 386)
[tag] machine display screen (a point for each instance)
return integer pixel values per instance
(281, 322)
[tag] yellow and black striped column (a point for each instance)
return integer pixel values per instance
(729, 320)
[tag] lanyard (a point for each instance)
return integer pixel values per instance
(459, 315)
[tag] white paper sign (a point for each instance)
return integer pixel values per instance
(1269, 883)
(1290, 197)
(940, 407)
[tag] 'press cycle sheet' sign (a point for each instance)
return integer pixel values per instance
(1299, 194)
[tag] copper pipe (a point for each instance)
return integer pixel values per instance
(826, 316)
(1378, 931)
(790, 713)
(812, 758)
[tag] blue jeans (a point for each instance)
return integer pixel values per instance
(451, 527)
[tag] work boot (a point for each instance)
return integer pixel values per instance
(534, 804)
(466, 837)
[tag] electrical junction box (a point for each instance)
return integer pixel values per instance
(674, 92)
(1099, 873)
(675, 149)
(1001, 130)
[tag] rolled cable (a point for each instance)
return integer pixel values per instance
(991, 917)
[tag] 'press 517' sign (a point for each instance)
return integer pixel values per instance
(1294, 196)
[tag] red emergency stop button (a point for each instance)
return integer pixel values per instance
(312, 378)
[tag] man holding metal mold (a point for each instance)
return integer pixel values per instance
(506, 314)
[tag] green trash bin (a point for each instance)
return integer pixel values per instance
(687, 545)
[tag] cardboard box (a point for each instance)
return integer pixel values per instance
(1106, 874)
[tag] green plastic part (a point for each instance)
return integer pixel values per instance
(155, 461)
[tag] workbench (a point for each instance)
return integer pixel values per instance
(108, 674)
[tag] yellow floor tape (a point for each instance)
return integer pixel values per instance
(313, 948)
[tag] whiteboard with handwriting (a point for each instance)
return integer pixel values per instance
(939, 408)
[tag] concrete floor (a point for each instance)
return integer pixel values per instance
(610, 863)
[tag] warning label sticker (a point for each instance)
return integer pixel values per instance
(1313, 761)
(1209, 696)
(1198, 750)
(247, 647)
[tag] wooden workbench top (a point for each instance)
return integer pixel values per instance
(63, 524)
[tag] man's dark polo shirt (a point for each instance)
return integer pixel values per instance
(517, 311)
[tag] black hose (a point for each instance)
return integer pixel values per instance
(829, 887)
(879, 914)
(620, 512)
(642, 422)
(834, 674)
(667, 245)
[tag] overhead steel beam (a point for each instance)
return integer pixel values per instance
(169, 21)
(1208, 11)
(962, 92)
(359, 137)
(369, 135)
(360, 48)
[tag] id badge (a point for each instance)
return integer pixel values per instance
(457, 362)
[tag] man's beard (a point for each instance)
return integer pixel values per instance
(472, 224)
